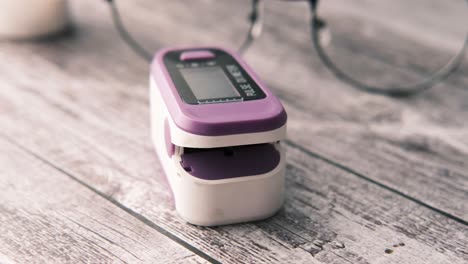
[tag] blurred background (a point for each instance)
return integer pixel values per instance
(420, 34)
(363, 168)
(383, 43)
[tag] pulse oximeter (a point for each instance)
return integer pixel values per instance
(217, 130)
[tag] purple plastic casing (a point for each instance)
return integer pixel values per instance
(218, 119)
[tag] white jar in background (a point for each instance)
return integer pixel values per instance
(24, 19)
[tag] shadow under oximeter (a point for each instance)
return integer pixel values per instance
(217, 130)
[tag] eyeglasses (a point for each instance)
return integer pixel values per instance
(317, 24)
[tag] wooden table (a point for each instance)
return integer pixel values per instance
(370, 179)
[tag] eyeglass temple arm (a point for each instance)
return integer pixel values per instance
(256, 25)
(255, 29)
(125, 35)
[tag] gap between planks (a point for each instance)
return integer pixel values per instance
(141, 145)
(342, 167)
(136, 215)
(370, 180)
(195, 250)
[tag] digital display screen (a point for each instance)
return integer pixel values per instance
(209, 83)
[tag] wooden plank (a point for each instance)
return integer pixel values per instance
(102, 101)
(409, 130)
(403, 144)
(88, 145)
(48, 217)
(105, 160)
(329, 215)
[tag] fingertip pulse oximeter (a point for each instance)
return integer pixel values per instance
(217, 130)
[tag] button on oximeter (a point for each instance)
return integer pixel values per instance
(194, 55)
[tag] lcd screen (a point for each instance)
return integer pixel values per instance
(209, 83)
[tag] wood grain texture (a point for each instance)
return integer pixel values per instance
(403, 144)
(328, 215)
(81, 104)
(427, 129)
(49, 218)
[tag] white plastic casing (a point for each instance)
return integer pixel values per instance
(216, 202)
(24, 19)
